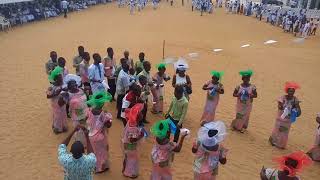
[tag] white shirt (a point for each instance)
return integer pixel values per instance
(95, 74)
(64, 4)
(123, 82)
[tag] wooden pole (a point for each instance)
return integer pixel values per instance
(163, 46)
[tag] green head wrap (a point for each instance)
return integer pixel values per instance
(160, 129)
(248, 72)
(161, 65)
(54, 73)
(98, 99)
(217, 74)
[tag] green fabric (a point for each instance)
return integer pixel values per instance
(57, 70)
(157, 131)
(217, 74)
(179, 109)
(248, 72)
(139, 64)
(98, 99)
(161, 65)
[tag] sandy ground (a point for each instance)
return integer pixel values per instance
(29, 148)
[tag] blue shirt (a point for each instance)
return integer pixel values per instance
(76, 169)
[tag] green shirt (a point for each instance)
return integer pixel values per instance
(178, 109)
(139, 64)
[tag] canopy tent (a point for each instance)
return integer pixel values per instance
(12, 1)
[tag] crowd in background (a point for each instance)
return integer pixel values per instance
(291, 20)
(23, 12)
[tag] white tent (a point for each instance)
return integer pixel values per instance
(12, 1)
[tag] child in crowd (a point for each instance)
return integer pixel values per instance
(158, 91)
(62, 64)
(214, 88)
(129, 100)
(178, 110)
(245, 93)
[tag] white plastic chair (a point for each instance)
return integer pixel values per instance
(5, 23)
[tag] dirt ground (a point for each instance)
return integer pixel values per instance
(29, 148)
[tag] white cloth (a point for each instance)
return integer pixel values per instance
(64, 4)
(181, 80)
(123, 82)
(95, 74)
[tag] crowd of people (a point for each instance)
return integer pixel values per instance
(81, 97)
(23, 12)
(290, 21)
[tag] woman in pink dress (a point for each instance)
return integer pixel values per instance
(244, 93)
(158, 91)
(314, 152)
(289, 166)
(214, 88)
(208, 151)
(163, 151)
(288, 105)
(98, 122)
(130, 141)
(59, 123)
(77, 105)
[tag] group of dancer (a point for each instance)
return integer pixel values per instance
(82, 97)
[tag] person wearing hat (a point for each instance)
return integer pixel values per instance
(76, 99)
(163, 150)
(158, 92)
(208, 150)
(77, 164)
(244, 93)
(148, 87)
(130, 141)
(98, 122)
(181, 78)
(288, 106)
(59, 122)
(314, 152)
(289, 166)
(214, 88)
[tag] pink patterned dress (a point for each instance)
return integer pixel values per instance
(59, 123)
(211, 102)
(130, 151)
(98, 138)
(158, 93)
(162, 157)
(243, 108)
(280, 132)
(314, 152)
(206, 163)
(78, 110)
